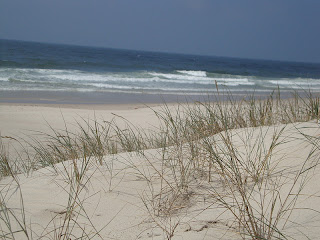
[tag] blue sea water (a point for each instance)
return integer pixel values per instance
(51, 67)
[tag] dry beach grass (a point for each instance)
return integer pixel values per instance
(208, 170)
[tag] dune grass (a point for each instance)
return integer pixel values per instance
(199, 157)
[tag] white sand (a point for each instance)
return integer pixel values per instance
(116, 206)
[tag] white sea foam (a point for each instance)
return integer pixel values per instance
(48, 71)
(193, 73)
(234, 84)
(298, 81)
(179, 80)
(4, 79)
(116, 87)
(102, 78)
(176, 76)
(110, 86)
(53, 75)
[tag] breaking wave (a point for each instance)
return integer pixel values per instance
(177, 81)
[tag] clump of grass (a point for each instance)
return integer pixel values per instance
(5, 168)
(92, 137)
(251, 192)
(74, 222)
(252, 186)
(71, 223)
(12, 221)
(129, 138)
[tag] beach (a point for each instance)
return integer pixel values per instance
(169, 188)
(100, 143)
(159, 120)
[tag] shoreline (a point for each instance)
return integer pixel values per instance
(107, 100)
(92, 107)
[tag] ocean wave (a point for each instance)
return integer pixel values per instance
(104, 86)
(111, 86)
(193, 73)
(57, 75)
(184, 80)
(14, 80)
(4, 79)
(297, 81)
(174, 76)
(37, 71)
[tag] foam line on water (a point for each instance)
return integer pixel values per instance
(184, 80)
(193, 73)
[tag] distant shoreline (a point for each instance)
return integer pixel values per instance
(90, 98)
(116, 98)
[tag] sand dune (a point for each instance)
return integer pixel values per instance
(136, 195)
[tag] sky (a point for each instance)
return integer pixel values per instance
(286, 30)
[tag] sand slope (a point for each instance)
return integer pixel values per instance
(119, 199)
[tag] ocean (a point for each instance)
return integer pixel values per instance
(38, 67)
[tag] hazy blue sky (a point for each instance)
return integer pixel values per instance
(267, 29)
